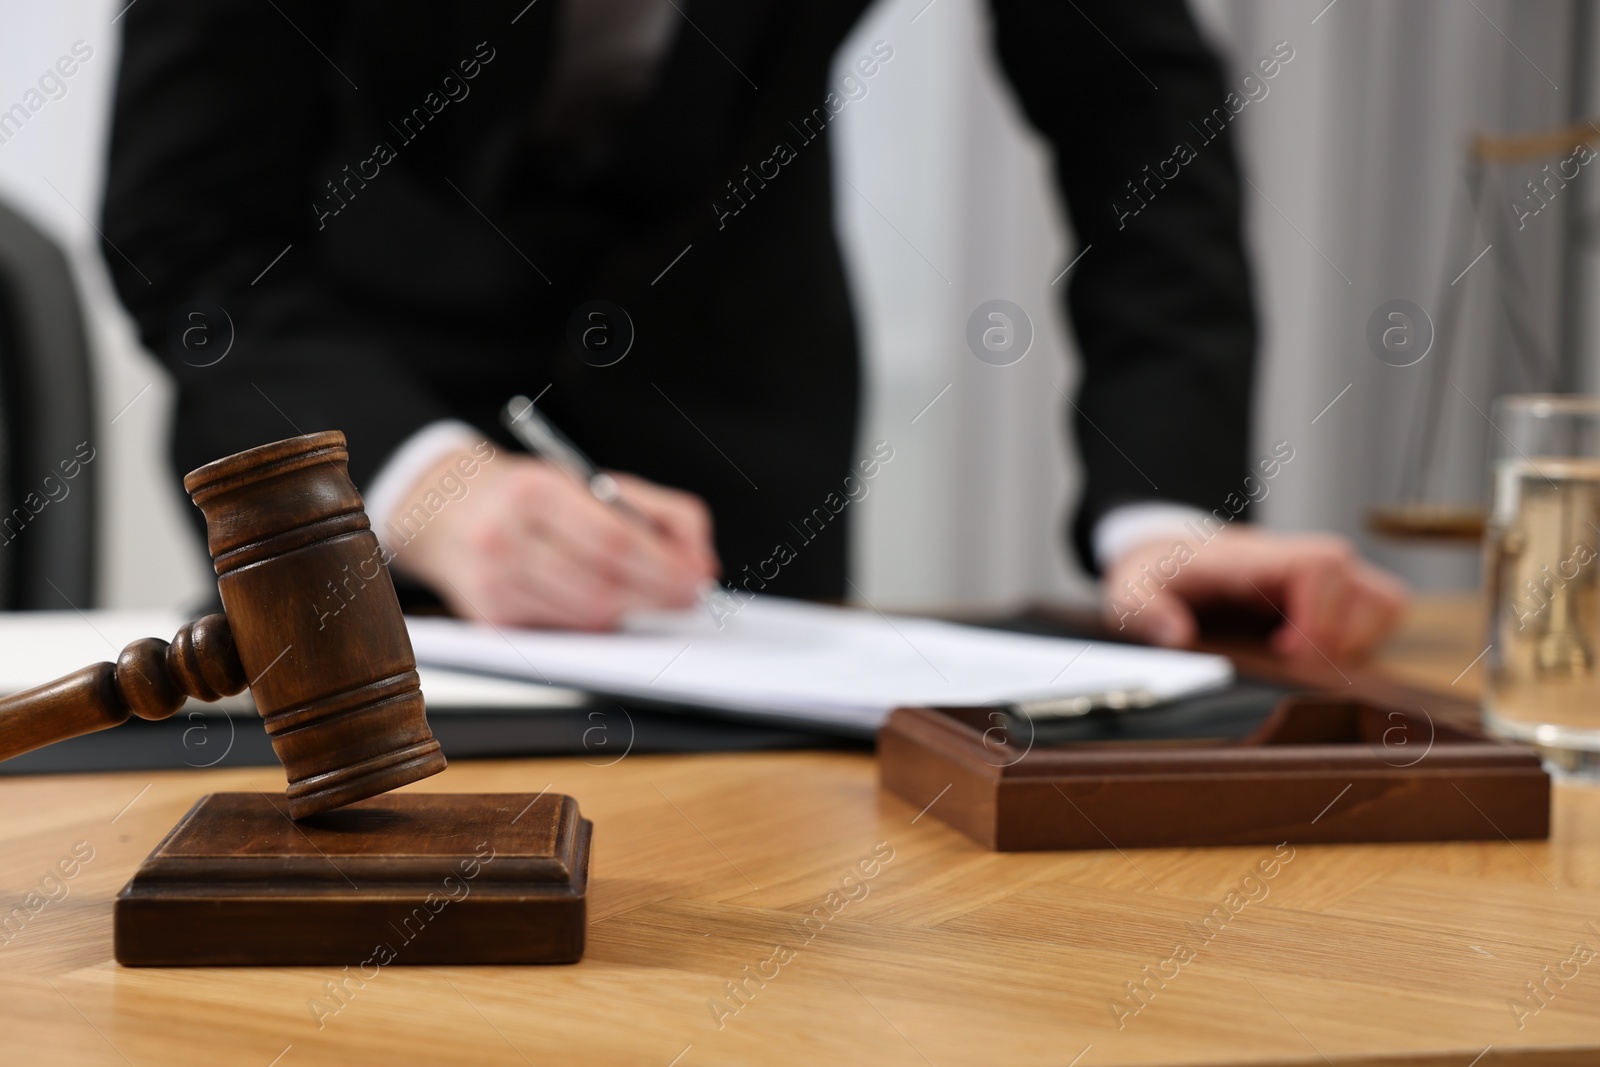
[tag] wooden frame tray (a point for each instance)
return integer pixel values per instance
(401, 878)
(1322, 768)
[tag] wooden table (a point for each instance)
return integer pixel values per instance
(705, 867)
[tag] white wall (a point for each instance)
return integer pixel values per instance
(945, 201)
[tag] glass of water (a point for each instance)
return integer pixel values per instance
(1541, 561)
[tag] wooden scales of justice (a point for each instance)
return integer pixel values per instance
(1413, 516)
(333, 867)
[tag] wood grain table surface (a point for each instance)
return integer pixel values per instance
(780, 908)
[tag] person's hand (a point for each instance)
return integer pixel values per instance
(1328, 599)
(524, 544)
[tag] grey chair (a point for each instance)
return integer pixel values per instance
(47, 519)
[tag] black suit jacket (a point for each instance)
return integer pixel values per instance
(376, 289)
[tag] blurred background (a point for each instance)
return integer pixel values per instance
(1365, 186)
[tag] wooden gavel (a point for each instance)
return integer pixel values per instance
(339, 692)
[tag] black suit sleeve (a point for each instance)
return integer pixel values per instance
(1160, 301)
(222, 113)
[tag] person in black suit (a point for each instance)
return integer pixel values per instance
(400, 208)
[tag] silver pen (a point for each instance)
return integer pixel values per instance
(540, 437)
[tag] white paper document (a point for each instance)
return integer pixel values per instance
(814, 664)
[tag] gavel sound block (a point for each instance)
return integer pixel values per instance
(1397, 773)
(332, 872)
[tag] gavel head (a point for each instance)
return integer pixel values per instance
(308, 598)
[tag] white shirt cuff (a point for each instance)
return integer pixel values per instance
(1130, 525)
(416, 455)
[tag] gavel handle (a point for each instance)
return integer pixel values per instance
(151, 679)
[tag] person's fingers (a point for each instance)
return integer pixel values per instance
(1166, 620)
(598, 539)
(1331, 603)
(1163, 619)
(1339, 607)
(518, 598)
(682, 517)
(1366, 621)
(531, 546)
(541, 581)
(1315, 594)
(522, 580)
(1376, 604)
